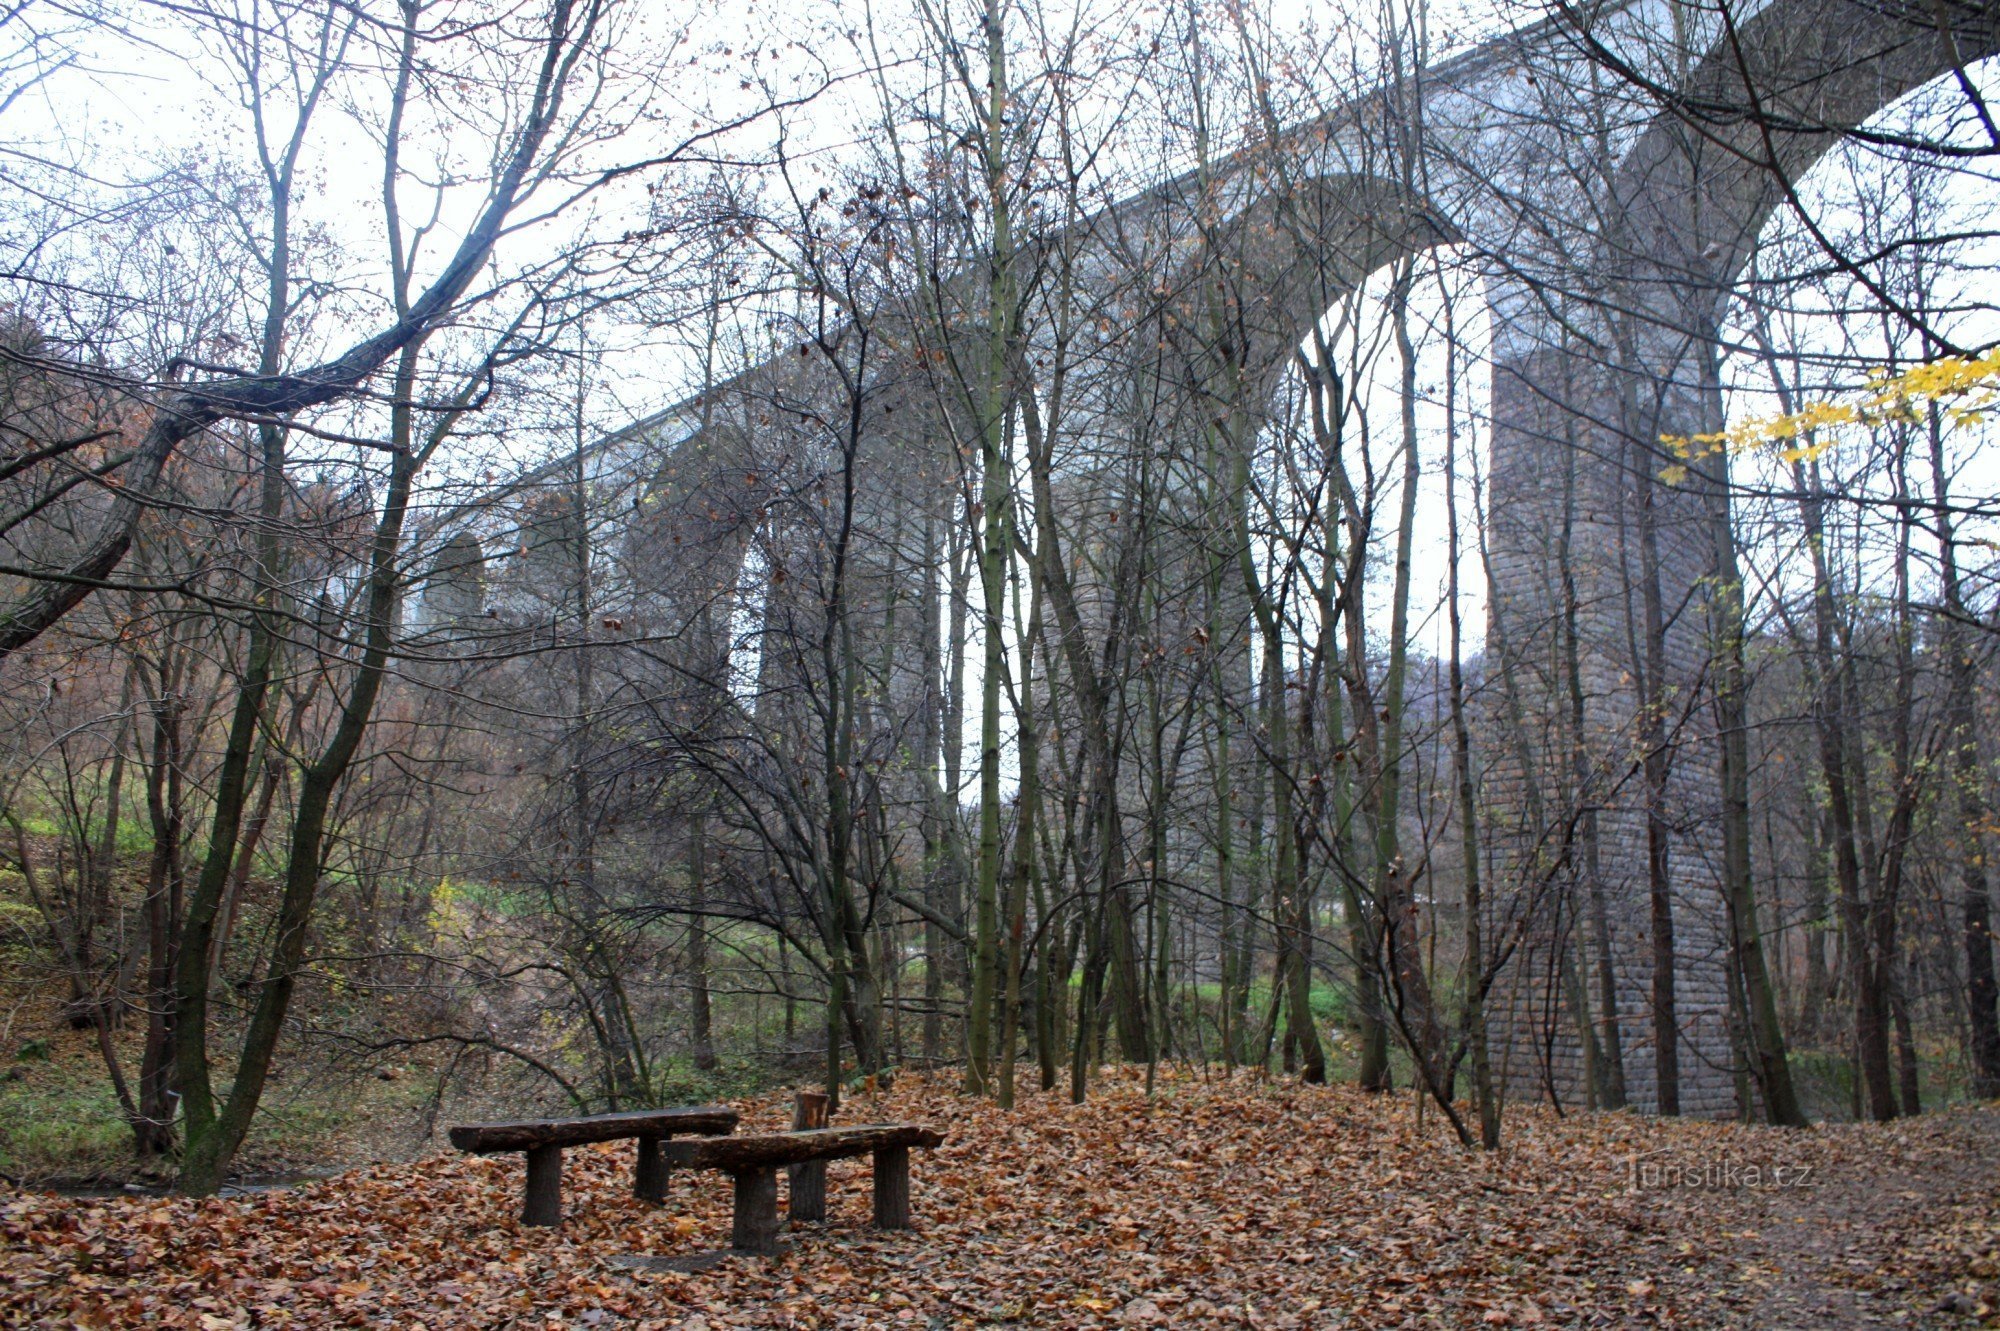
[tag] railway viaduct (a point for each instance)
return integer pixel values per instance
(1610, 168)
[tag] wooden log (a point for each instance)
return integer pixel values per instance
(791, 1148)
(808, 1180)
(486, 1138)
(543, 1204)
(892, 1187)
(649, 1173)
(755, 1226)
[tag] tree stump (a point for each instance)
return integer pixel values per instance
(755, 1229)
(892, 1187)
(649, 1174)
(543, 1204)
(808, 1181)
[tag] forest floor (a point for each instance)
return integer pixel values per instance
(1216, 1202)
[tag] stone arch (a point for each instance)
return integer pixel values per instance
(1289, 255)
(1697, 187)
(1579, 412)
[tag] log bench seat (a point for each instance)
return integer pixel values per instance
(542, 1141)
(753, 1162)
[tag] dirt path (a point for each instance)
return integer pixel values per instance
(1846, 1227)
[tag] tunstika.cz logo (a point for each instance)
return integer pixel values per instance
(1680, 1170)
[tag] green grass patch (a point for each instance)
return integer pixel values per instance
(135, 835)
(677, 1081)
(1329, 1002)
(57, 1124)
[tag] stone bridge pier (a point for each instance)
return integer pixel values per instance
(1601, 730)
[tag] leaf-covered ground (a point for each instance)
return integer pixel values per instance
(1215, 1203)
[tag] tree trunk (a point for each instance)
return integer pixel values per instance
(154, 1131)
(1968, 779)
(700, 1016)
(1763, 1037)
(1655, 768)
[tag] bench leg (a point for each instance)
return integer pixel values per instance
(756, 1223)
(809, 1191)
(892, 1188)
(649, 1176)
(543, 1205)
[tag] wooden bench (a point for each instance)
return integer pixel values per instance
(542, 1140)
(754, 1163)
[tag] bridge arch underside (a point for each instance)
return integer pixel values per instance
(1627, 352)
(1282, 263)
